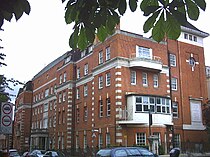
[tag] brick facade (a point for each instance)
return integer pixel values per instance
(86, 99)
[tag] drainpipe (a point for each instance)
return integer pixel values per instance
(31, 120)
(169, 68)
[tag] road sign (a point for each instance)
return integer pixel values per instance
(6, 117)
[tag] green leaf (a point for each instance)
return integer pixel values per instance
(180, 17)
(90, 34)
(115, 17)
(97, 21)
(71, 14)
(164, 2)
(1, 20)
(82, 41)
(18, 11)
(145, 3)
(7, 15)
(122, 6)
(25, 6)
(158, 32)
(150, 9)
(133, 5)
(110, 24)
(73, 40)
(150, 22)
(67, 16)
(172, 27)
(176, 3)
(192, 10)
(102, 33)
(201, 4)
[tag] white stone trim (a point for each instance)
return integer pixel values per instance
(118, 79)
(118, 97)
(118, 85)
(118, 103)
(118, 67)
(193, 126)
(119, 140)
(118, 73)
(118, 91)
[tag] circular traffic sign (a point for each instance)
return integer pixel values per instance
(7, 108)
(6, 120)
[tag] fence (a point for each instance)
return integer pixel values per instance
(186, 147)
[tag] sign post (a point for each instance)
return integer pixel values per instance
(6, 117)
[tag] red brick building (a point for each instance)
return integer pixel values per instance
(120, 92)
(22, 118)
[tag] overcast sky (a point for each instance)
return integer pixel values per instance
(35, 40)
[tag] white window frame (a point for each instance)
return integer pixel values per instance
(60, 98)
(133, 77)
(85, 142)
(143, 52)
(185, 36)
(108, 139)
(85, 90)
(64, 96)
(60, 79)
(64, 76)
(77, 93)
(101, 108)
(173, 60)
(83, 54)
(108, 79)
(100, 57)
(90, 49)
(100, 82)
(85, 113)
(108, 53)
(177, 141)
(175, 110)
(155, 81)
(108, 107)
(144, 79)
(51, 90)
(86, 69)
(78, 73)
(46, 93)
(140, 138)
(100, 140)
(174, 84)
(45, 107)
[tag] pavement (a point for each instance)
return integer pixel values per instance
(189, 155)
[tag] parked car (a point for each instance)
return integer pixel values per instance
(125, 152)
(53, 154)
(36, 153)
(13, 153)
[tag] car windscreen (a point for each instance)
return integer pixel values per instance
(14, 154)
(133, 151)
(104, 152)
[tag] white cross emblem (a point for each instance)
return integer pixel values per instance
(192, 62)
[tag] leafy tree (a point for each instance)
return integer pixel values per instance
(4, 82)
(101, 16)
(10, 8)
(206, 114)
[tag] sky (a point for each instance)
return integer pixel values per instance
(37, 39)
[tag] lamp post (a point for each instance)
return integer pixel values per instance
(150, 133)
